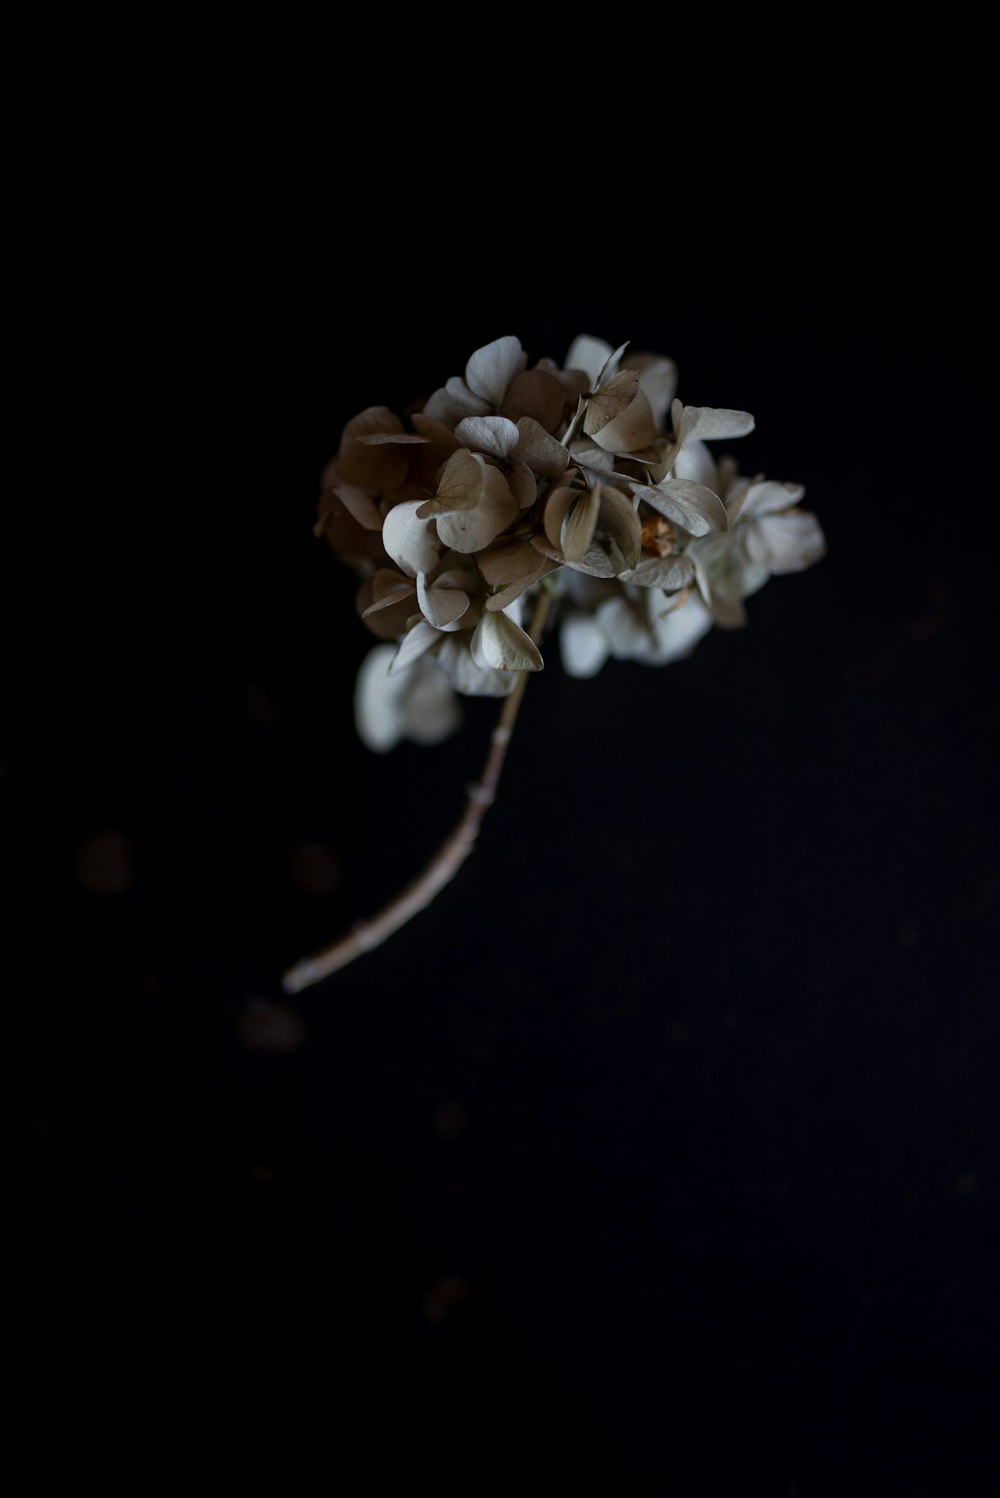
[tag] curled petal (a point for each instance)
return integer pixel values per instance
(498, 642)
(611, 400)
(578, 528)
(409, 539)
(630, 432)
(707, 422)
(441, 606)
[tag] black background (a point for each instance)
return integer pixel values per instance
(661, 1151)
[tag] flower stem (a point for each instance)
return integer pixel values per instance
(446, 862)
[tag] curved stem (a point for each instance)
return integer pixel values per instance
(446, 862)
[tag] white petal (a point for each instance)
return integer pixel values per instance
(583, 645)
(470, 530)
(691, 505)
(695, 462)
(429, 707)
(679, 630)
(376, 701)
(768, 497)
(786, 543)
(590, 355)
(408, 540)
(498, 642)
(706, 422)
(453, 402)
(491, 369)
(489, 434)
(455, 660)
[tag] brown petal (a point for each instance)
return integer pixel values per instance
(538, 394)
(613, 398)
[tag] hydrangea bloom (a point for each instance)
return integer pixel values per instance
(591, 481)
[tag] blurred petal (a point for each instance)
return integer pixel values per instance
(453, 402)
(583, 645)
(768, 497)
(455, 659)
(376, 698)
(429, 707)
(360, 506)
(789, 542)
(706, 422)
(657, 381)
(590, 355)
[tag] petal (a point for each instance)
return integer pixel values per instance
(590, 355)
(470, 530)
(620, 526)
(513, 591)
(429, 708)
(695, 462)
(539, 450)
(789, 542)
(436, 431)
(414, 644)
(489, 434)
(491, 369)
(633, 430)
(376, 701)
(583, 645)
(706, 422)
(442, 607)
(409, 540)
(768, 497)
(581, 521)
(691, 505)
(455, 659)
(611, 400)
(377, 469)
(657, 381)
(524, 485)
(498, 642)
(453, 402)
(360, 506)
(460, 484)
(557, 507)
(538, 394)
(668, 573)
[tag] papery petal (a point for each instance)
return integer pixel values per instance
(442, 607)
(489, 434)
(392, 439)
(409, 540)
(470, 530)
(613, 398)
(454, 402)
(788, 542)
(386, 588)
(524, 485)
(498, 642)
(583, 645)
(708, 422)
(511, 594)
(629, 432)
(460, 485)
(669, 573)
(620, 525)
(538, 394)
(694, 461)
(360, 465)
(539, 450)
(589, 355)
(688, 504)
(492, 367)
(360, 506)
(578, 528)
(557, 507)
(435, 431)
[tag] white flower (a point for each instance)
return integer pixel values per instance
(634, 624)
(417, 704)
(768, 535)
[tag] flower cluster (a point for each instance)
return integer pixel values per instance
(591, 482)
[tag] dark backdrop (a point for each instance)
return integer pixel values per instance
(662, 1150)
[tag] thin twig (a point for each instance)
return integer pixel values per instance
(446, 862)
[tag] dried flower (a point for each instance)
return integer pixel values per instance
(588, 490)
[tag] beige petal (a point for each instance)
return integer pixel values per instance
(589, 355)
(508, 595)
(538, 394)
(360, 506)
(455, 659)
(492, 368)
(524, 484)
(657, 381)
(460, 484)
(498, 642)
(631, 430)
(435, 431)
(506, 561)
(765, 498)
(580, 523)
(471, 529)
(613, 398)
(619, 524)
(539, 450)
(669, 573)
(557, 507)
